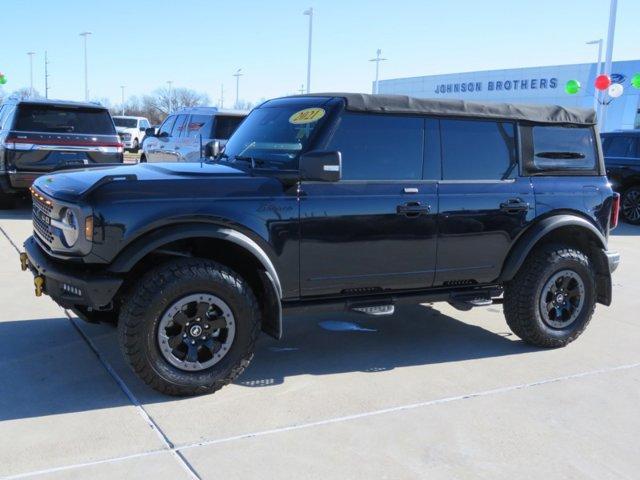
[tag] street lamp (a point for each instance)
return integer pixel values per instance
(378, 59)
(170, 82)
(31, 54)
(86, 68)
(613, 7)
(122, 88)
(309, 12)
(237, 75)
(596, 92)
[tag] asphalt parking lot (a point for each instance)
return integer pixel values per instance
(428, 393)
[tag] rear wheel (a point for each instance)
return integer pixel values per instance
(630, 205)
(189, 327)
(551, 299)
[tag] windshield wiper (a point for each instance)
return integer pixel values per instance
(252, 160)
(561, 155)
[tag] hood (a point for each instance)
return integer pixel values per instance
(73, 185)
(124, 129)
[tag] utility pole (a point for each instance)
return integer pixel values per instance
(170, 82)
(237, 75)
(378, 59)
(607, 62)
(222, 95)
(309, 12)
(46, 75)
(122, 104)
(86, 67)
(301, 91)
(31, 54)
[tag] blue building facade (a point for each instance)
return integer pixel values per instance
(531, 85)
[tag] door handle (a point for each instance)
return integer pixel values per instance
(413, 209)
(514, 205)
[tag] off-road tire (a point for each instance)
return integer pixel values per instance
(522, 296)
(154, 293)
(631, 191)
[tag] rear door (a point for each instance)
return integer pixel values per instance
(484, 203)
(375, 229)
(47, 137)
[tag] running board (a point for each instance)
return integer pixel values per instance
(466, 301)
(375, 310)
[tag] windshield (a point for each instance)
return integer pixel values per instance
(275, 136)
(125, 122)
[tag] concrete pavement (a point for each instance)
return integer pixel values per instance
(428, 393)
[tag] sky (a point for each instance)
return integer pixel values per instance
(199, 44)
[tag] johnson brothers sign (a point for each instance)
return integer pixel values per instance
(498, 85)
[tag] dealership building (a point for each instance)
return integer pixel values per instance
(530, 85)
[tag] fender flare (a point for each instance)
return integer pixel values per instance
(531, 236)
(139, 248)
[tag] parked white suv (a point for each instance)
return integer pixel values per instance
(131, 131)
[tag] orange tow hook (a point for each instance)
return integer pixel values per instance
(38, 281)
(24, 261)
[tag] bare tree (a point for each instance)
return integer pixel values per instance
(156, 105)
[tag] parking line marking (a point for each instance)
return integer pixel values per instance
(332, 420)
(169, 446)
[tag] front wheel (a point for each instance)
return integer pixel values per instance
(630, 205)
(551, 299)
(189, 327)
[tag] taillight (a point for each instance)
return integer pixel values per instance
(615, 211)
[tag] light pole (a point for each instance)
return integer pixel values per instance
(31, 54)
(122, 89)
(596, 92)
(378, 59)
(309, 12)
(237, 75)
(170, 82)
(46, 75)
(86, 68)
(607, 62)
(301, 91)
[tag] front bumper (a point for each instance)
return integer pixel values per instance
(613, 259)
(67, 284)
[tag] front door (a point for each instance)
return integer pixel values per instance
(484, 203)
(376, 228)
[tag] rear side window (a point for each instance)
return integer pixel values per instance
(619, 146)
(477, 150)
(379, 147)
(51, 119)
(225, 126)
(563, 148)
(200, 125)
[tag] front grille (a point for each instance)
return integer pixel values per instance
(42, 208)
(40, 227)
(45, 205)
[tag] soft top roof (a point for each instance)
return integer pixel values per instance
(360, 102)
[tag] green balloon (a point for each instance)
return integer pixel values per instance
(3, 80)
(572, 87)
(635, 81)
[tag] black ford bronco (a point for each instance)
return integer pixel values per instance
(332, 201)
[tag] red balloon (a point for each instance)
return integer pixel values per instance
(602, 82)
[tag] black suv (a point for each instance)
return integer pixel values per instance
(622, 161)
(39, 136)
(332, 201)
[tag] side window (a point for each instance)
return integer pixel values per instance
(620, 146)
(563, 148)
(379, 147)
(200, 125)
(167, 126)
(144, 123)
(477, 150)
(180, 126)
(225, 126)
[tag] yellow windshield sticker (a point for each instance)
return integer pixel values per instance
(308, 115)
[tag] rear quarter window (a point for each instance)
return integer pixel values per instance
(561, 150)
(52, 119)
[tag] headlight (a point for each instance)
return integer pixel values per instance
(69, 226)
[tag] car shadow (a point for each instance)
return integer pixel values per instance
(21, 211)
(47, 369)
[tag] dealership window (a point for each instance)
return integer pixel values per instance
(379, 147)
(563, 148)
(477, 150)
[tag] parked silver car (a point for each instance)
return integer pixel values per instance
(190, 134)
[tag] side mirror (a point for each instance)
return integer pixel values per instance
(150, 131)
(321, 166)
(212, 149)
